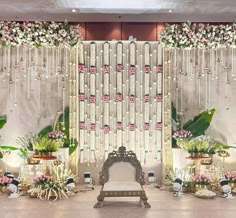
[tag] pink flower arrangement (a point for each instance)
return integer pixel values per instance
(56, 134)
(81, 68)
(106, 129)
(81, 96)
(119, 125)
(147, 68)
(119, 68)
(92, 126)
(159, 98)
(81, 125)
(159, 68)
(92, 69)
(132, 98)
(146, 98)
(132, 70)
(106, 98)
(182, 134)
(159, 126)
(231, 177)
(202, 179)
(92, 99)
(4, 181)
(132, 126)
(146, 126)
(41, 180)
(105, 69)
(119, 97)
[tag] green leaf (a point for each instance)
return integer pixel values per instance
(73, 148)
(1, 155)
(8, 147)
(3, 120)
(45, 131)
(200, 123)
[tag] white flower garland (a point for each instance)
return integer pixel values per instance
(188, 35)
(37, 34)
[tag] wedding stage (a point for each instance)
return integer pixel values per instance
(144, 109)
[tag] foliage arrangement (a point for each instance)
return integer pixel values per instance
(62, 125)
(198, 35)
(26, 143)
(47, 187)
(46, 145)
(37, 34)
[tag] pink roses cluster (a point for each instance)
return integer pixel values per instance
(202, 179)
(181, 134)
(231, 177)
(41, 180)
(57, 134)
(4, 181)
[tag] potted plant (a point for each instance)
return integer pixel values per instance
(202, 181)
(186, 186)
(26, 147)
(44, 146)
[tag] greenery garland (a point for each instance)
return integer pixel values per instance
(37, 34)
(193, 35)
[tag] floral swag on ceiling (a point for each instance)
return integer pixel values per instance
(193, 35)
(37, 34)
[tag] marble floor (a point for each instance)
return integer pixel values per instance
(81, 206)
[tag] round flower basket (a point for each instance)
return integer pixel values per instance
(185, 189)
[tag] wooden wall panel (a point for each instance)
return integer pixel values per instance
(103, 31)
(141, 31)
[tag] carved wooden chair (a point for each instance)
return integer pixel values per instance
(122, 176)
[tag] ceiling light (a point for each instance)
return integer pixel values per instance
(170, 11)
(73, 10)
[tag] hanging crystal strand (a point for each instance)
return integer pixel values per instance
(217, 64)
(39, 94)
(227, 86)
(191, 58)
(206, 79)
(176, 78)
(9, 72)
(199, 77)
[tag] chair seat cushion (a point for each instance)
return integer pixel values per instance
(122, 186)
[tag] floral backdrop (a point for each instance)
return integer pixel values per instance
(198, 35)
(37, 34)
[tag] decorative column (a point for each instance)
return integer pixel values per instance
(167, 157)
(72, 71)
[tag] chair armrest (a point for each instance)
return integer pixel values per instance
(141, 179)
(102, 179)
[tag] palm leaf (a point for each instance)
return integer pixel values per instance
(45, 131)
(3, 120)
(8, 147)
(200, 123)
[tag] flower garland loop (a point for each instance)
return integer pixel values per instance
(193, 35)
(37, 34)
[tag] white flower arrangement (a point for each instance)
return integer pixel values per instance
(193, 35)
(37, 34)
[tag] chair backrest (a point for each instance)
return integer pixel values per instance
(121, 171)
(122, 165)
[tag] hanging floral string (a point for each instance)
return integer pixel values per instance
(193, 35)
(37, 34)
